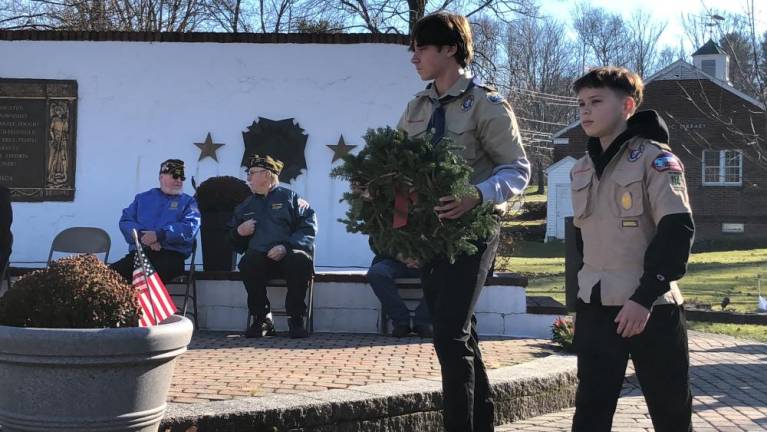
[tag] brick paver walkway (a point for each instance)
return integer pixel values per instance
(220, 366)
(729, 385)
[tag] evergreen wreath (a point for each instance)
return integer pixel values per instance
(393, 164)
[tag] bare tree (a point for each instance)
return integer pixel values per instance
(399, 16)
(643, 35)
(488, 37)
(18, 14)
(102, 15)
(666, 56)
(228, 14)
(603, 33)
(539, 69)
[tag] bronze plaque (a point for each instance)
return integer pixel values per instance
(37, 139)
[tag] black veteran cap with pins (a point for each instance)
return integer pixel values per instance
(266, 162)
(174, 167)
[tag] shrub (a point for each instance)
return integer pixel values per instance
(562, 333)
(74, 292)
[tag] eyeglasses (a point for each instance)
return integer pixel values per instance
(174, 176)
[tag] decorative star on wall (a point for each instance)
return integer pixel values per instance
(341, 149)
(208, 148)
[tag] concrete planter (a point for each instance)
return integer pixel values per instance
(88, 379)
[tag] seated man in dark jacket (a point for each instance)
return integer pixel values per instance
(276, 235)
(167, 221)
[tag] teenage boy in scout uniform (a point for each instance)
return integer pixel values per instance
(482, 123)
(635, 230)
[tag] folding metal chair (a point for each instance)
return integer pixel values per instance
(190, 293)
(81, 240)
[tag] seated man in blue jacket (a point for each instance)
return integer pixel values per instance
(275, 234)
(167, 221)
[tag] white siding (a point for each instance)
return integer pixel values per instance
(558, 174)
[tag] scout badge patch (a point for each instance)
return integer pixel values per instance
(467, 103)
(667, 162)
(636, 153)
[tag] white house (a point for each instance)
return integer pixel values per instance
(558, 205)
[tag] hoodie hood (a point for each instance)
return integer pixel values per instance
(645, 124)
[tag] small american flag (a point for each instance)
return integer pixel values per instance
(156, 303)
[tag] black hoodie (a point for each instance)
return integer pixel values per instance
(669, 250)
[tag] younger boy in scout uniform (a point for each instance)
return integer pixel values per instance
(635, 230)
(481, 122)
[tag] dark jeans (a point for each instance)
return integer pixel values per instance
(381, 276)
(168, 264)
(661, 359)
(256, 269)
(451, 292)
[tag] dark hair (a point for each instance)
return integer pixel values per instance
(617, 79)
(445, 29)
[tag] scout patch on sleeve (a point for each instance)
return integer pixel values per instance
(675, 179)
(495, 98)
(467, 103)
(636, 153)
(667, 162)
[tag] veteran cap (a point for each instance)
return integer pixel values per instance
(174, 167)
(266, 162)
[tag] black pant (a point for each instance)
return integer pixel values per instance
(256, 269)
(451, 292)
(661, 360)
(167, 263)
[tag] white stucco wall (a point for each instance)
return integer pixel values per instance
(141, 103)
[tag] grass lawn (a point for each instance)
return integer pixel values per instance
(745, 331)
(710, 275)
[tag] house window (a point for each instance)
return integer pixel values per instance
(722, 168)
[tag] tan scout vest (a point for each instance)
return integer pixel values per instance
(618, 215)
(481, 122)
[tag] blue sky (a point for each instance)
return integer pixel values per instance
(668, 10)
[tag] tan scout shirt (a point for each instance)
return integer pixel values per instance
(618, 215)
(482, 122)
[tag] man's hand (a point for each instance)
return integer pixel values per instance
(302, 204)
(247, 228)
(632, 319)
(409, 262)
(277, 253)
(155, 246)
(148, 238)
(453, 208)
